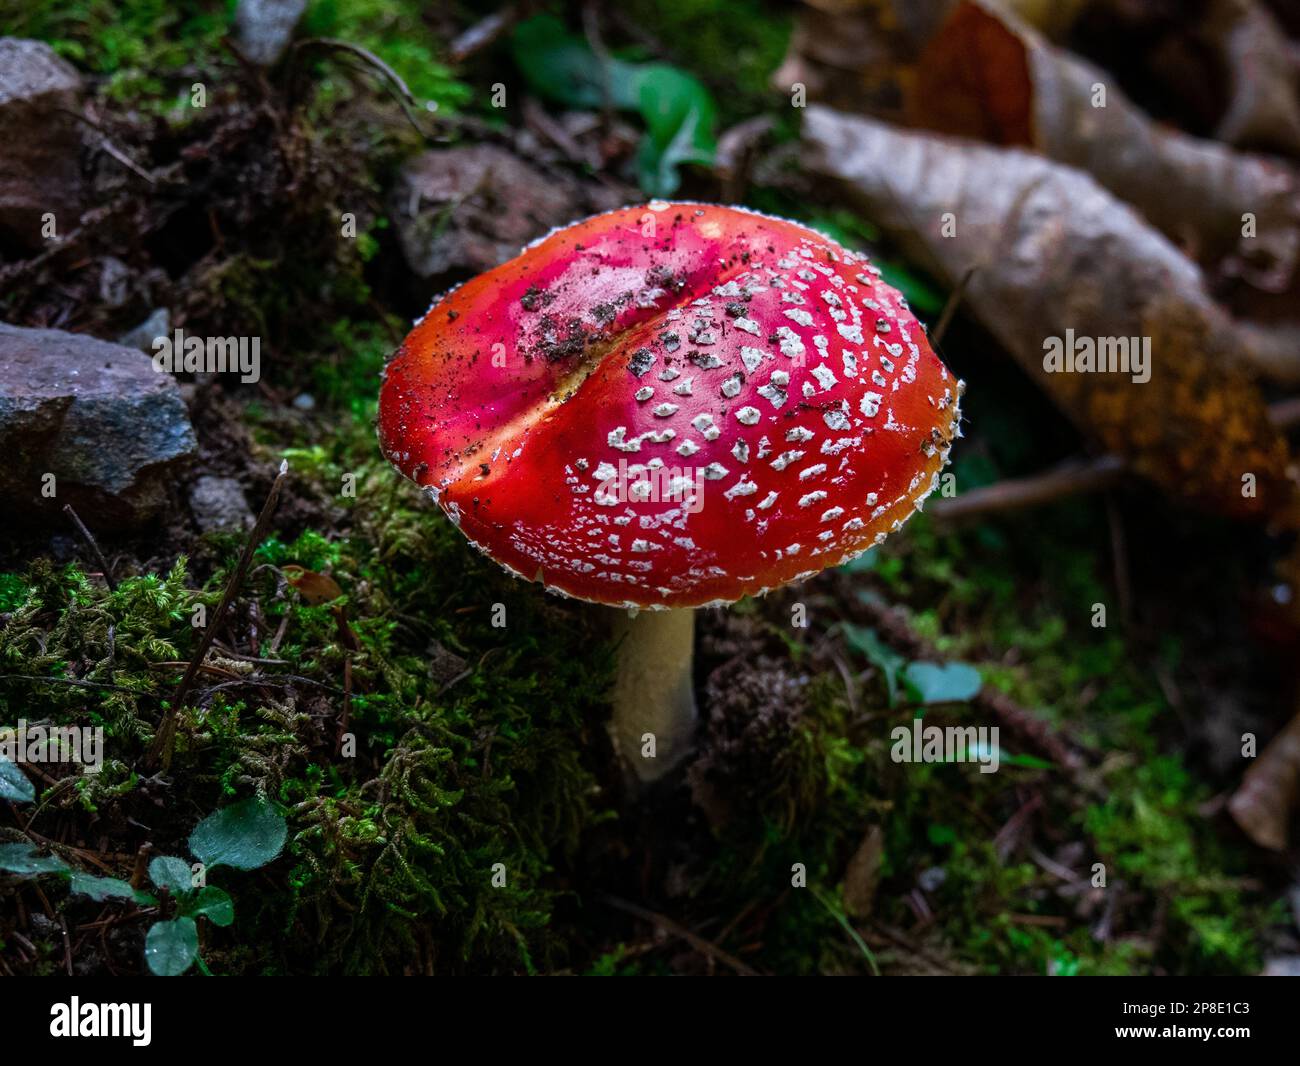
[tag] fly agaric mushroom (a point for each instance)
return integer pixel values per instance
(667, 407)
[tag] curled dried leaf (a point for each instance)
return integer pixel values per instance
(313, 587)
(862, 875)
(1055, 261)
(1263, 802)
(987, 75)
(1264, 104)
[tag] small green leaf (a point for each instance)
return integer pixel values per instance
(213, 903)
(102, 888)
(942, 683)
(677, 109)
(245, 835)
(14, 784)
(879, 654)
(171, 873)
(678, 112)
(171, 947)
(1031, 762)
(563, 68)
(941, 834)
(24, 860)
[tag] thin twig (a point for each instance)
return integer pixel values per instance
(141, 866)
(897, 631)
(67, 944)
(400, 90)
(897, 938)
(126, 160)
(847, 926)
(161, 748)
(950, 308)
(482, 34)
(70, 681)
(107, 144)
(230, 653)
(346, 719)
(1071, 478)
(696, 941)
(94, 545)
(280, 681)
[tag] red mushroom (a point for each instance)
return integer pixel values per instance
(666, 407)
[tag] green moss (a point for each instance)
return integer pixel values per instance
(399, 33)
(13, 591)
(1147, 832)
(474, 744)
(137, 47)
(1147, 829)
(113, 644)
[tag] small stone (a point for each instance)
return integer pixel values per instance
(444, 665)
(40, 167)
(265, 27)
(218, 505)
(462, 211)
(87, 423)
(158, 324)
(114, 281)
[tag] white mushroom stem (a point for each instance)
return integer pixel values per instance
(654, 698)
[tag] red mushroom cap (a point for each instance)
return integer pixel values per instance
(672, 405)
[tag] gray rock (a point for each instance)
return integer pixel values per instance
(218, 505)
(114, 281)
(265, 28)
(40, 164)
(465, 210)
(158, 324)
(112, 431)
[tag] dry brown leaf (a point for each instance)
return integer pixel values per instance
(1050, 251)
(313, 587)
(1264, 108)
(986, 75)
(862, 875)
(1263, 802)
(858, 53)
(1055, 18)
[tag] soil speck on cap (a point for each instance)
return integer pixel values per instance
(641, 361)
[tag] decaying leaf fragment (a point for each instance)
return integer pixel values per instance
(986, 75)
(1264, 104)
(1056, 261)
(858, 53)
(313, 587)
(1263, 802)
(862, 875)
